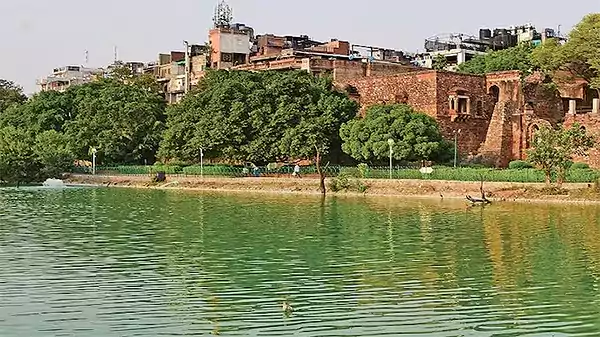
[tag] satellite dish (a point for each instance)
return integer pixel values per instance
(351, 57)
(371, 58)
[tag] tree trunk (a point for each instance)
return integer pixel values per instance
(548, 176)
(560, 177)
(321, 173)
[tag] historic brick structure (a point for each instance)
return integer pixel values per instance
(494, 116)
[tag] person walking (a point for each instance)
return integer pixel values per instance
(297, 171)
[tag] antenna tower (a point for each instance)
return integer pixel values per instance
(223, 15)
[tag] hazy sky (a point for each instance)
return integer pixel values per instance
(38, 35)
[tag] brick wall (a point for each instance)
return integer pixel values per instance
(417, 89)
(591, 122)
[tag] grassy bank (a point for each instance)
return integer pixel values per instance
(499, 191)
(439, 173)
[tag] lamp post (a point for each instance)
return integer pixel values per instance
(94, 151)
(456, 133)
(186, 81)
(391, 144)
(201, 163)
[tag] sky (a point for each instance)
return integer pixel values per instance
(39, 35)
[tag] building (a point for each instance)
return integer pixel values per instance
(493, 116)
(459, 48)
(170, 71)
(64, 77)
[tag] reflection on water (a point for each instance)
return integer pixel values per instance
(107, 262)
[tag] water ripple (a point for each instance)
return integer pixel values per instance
(103, 262)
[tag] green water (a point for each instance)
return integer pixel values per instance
(109, 262)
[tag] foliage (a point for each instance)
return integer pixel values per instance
(47, 110)
(514, 58)
(581, 54)
(547, 57)
(257, 117)
(25, 159)
(53, 151)
(580, 166)
(124, 121)
(439, 62)
(344, 182)
(553, 149)
(519, 165)
(416, 136)
(363, 170)
(10, 95)
(123, 74)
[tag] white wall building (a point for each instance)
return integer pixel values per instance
(64, 77)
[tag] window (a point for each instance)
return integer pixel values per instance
(495, 93)
(452, 105)
(463, 105)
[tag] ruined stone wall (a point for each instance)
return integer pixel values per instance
(591, 123)
(473, 126)
(417, 89)
(345, 70)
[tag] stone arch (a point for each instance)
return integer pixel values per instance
(531, 131)
(494, 92)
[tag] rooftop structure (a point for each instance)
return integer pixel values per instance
(460, 48)
(64, 77)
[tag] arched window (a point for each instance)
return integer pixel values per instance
(495, 93)
(532, 131)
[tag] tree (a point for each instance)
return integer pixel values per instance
(316, 128)
(515, 58)
(47, 110)
(259, 117)
(10, 95)
(18, 162)
(553, 149)
(416, 136)
(124, 74)
(439, 62)
(581, 54)
(53, 152)
(124, 121)
(548, 57)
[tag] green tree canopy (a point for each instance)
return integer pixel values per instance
(25, 158)
(515, 58)
(257, 117)
(124, 121)
(10, 95)
(553, 149)
(416, 136)
(581, 54)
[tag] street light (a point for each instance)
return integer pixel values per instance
(456, 133)
(201, 163)
(391, 143)
(187, 67)
(94, 151)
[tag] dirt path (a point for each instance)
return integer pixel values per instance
(499, 191)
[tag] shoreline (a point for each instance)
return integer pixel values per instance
(438, 189)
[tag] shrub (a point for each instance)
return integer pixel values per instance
(580, 166)
(340, 183)
(363, 170)
(519, 165)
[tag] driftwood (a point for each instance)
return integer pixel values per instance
(483, 200)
